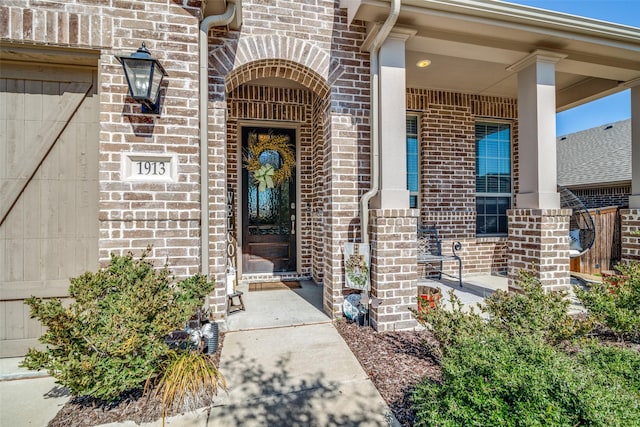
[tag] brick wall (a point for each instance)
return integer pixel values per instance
(447, 171)
(604, 196)
(133, 214)
(539, 242)
(630, 219)
(311, 45)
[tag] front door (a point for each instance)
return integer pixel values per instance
(268, 200)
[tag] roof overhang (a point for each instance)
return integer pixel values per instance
(472, 44)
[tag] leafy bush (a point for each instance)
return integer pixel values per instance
(496, 380)
(517, 368)
(615, 303)
(111, 339)
(534, 312)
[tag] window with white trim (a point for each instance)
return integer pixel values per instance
(413, 160)
(493, 177)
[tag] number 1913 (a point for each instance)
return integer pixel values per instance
(147, 167)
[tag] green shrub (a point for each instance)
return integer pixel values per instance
(621, 364)
(497, 380)
(448, 326)
(525, 365)
(615, 303)
(111, 339)
(534, 312)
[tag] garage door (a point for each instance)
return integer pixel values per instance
(48, 190)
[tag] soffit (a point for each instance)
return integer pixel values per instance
(471, 43)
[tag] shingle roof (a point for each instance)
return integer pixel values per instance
(595, 156)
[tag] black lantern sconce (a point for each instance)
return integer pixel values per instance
(144, 77)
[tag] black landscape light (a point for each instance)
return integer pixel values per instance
(144, 77)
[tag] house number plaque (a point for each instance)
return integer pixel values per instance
(149, 167)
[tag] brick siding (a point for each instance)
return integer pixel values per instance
(539, 242)
(447, 171)
(133, 215)
(604, 196)
(630, 243)
(312, 46)
(394, 267)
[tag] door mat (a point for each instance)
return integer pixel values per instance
(273, 286)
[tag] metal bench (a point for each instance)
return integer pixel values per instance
(430, 253)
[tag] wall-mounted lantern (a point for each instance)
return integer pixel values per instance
(144, 77)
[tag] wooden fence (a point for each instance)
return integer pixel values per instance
(606, 250)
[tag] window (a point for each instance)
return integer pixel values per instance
(493, 177)
(413, 160)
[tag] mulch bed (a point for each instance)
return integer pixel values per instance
(395, 361)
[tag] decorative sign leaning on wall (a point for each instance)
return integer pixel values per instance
(150, 167)
(232, 271)
(357, 261)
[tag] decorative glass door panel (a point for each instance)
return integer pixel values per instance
(269, 205)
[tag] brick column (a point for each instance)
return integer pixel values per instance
(394, 267)
(217, 222)
(539, 242)
(630, 219)
(339, 194)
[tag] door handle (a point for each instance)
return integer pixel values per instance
(293, 224)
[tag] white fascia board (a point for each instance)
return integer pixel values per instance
(524, 18)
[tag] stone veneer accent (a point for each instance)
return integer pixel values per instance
(630, 219)
(394, 267)
(539, 242)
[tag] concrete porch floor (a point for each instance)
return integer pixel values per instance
(278, 308)
(303, 306)
(475, 288)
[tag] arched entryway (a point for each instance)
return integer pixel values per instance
(275, 111)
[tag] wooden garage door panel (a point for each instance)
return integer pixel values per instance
(51, 232)
(30, 141)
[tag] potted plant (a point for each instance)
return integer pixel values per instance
(428, 297)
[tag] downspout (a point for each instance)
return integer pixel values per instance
(206, 24)
(374, 113)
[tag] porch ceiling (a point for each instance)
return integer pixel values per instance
(471, 44)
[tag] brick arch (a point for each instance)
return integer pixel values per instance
(277, 68)
(274, 56)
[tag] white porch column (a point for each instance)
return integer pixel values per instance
(537, 130)
(393, 193)
(634, 198)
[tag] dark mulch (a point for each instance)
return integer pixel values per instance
(136, 406)
(395, 361)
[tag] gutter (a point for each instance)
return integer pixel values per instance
(206, 24)
(374, 113)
